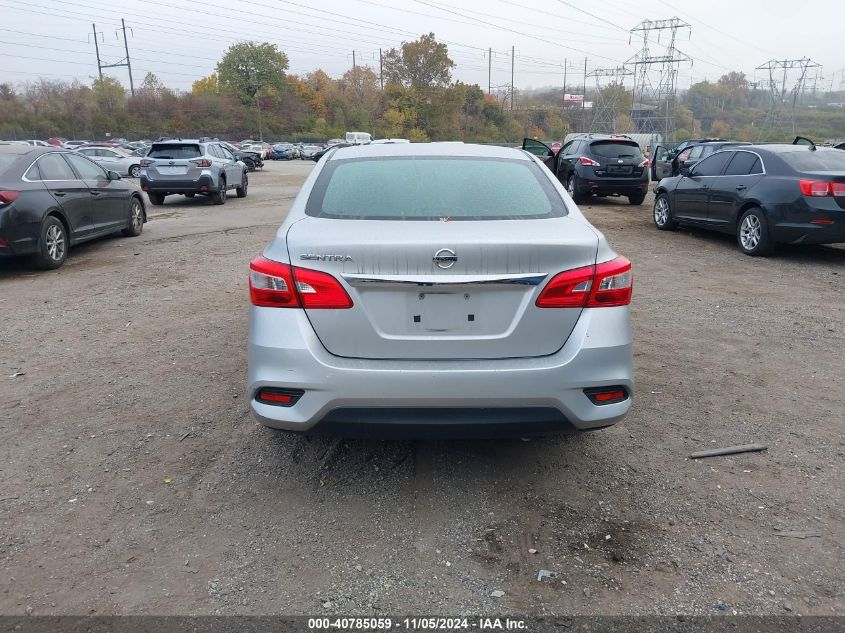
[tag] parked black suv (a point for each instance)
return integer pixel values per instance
(597, 164)
(666, 162)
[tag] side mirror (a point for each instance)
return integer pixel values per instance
(113, 175)
(685, 171)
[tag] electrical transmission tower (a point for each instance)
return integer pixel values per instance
(123, 62)
(787, 80)
(656, 75)
(610, 93)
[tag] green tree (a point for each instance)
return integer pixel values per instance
(423, 63)
(248, 68)
(206, 86)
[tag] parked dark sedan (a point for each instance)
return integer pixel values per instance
(763, 194)
(666, 163)
(52, 198)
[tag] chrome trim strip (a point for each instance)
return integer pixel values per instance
(530, 279)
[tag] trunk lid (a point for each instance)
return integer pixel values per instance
(172, 161)
(442, 290)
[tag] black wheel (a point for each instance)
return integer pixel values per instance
(636, 199)
(135, 171)
(752, 233)
(52, 245)
(572, 188)
(156, 199)
(250, 164)
(190, 194)
(136, 218)
(662, 214)
(241, 191)
(219, 196)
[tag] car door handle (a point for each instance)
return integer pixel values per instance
(705, 186)
(94, 192)
(60, 194)
(740, 187)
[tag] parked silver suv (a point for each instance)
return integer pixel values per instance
(191, 167)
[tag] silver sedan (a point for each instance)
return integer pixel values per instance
(113, 160)
(438, 289)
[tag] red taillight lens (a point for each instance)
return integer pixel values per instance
(8, 197)
(276, 285)
(646, 163)
(145, 163)
(569, 289)
(837, 188)
(604, 285)
(271, 284)
(814, 188)
(588, 162)
(202, 162)
(614, 284)
(320, 290)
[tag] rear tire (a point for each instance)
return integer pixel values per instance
(662, 214)
(242, 190)
(52, 245)
(250, 164)
(136, 219)
(752, 233)
(219, 196)
(156, 199)
(572, 188)
(636, 199)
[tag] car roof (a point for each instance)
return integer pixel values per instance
(722, 143)
(786, 148)
(29, 149)
(449, 148)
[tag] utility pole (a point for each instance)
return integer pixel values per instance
(564, 77)
(97, 49)
(584, 100)
(489, 70)
(128, 64)
(513, 89)
(380, 69)
(353, 60)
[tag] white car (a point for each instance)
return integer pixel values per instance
(114, 160)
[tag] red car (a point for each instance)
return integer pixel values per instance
(555, 147)
(56, 142)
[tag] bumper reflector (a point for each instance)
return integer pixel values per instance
(278, 397)
(606, 395)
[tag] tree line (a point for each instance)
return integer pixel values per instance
(251, 93)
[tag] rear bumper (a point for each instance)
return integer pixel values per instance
(809, 233)
(606, 186)
(342, 394)
(168, 185)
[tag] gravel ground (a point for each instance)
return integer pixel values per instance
(134, 481)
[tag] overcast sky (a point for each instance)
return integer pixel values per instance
(173, 39)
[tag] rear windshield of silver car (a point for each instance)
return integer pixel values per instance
(434, 188)
(174, 151)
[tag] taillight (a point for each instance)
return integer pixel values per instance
(145, 162)
(602, 286)
(588, 162)
(815, 188)
(646, 163)
(276, 285)
(8, 197)
(606, 395)
(837, 188)
(201, 162)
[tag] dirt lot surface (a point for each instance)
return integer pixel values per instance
(133, 480)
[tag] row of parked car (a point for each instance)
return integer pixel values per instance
(763, 194)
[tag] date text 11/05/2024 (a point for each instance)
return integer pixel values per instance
(415, 624)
